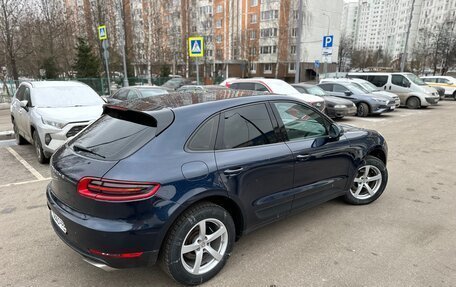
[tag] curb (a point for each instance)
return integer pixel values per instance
(6, 135)
(4, 106)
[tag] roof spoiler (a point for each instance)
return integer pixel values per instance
(133, 116)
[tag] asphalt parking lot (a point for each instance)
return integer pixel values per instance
(406, 238)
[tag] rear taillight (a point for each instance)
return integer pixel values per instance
(116, 255)
(116, 190)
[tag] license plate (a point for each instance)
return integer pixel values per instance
(59, 222)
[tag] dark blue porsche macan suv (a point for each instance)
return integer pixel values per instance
(176, 179)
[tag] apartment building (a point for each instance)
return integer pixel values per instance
(383, 24)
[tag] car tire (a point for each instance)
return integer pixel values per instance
(19, 139)
(413, 103)
(369, 182)
(454, 95)
(41, 156)
(179, 262)
(339, 118)
(362, 110)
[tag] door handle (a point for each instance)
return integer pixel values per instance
(302, 157)
(390, 88)
(233, 172)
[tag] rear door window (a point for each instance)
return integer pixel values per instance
(339, 88)
(121, 95)
(429, 80)
(20, 93)
(327, 87)
(443, 81)
(204, 137)
(379, 81)
(243, 86)
(246, 126)
(261, 88)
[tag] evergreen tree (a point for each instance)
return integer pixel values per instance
(86, 65)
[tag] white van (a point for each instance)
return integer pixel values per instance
(413, 92)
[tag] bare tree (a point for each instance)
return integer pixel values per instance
(344, 53)
(12, 14)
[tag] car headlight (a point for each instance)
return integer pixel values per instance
(53, 123)
(340, 106)
(380, 100)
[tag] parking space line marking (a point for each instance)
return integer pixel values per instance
(26, 164)
(24, 182)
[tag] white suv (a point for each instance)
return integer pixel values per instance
(48, 113)
(274, 86)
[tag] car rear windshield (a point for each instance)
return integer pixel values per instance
(114, 138)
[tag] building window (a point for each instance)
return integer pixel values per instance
(252, 51)
(218, 39)
(252, 68)
(267, 68)
(209, 53)
(208, 39)
(253, 18)
(193, 28)
(291, 68)
(293, 50)
(269, 15)
(219, 8)
(268, 49)
(252, 34)
(294, 32)
(218, 23)
(253, 2)
(219, 53)
(295, 14)
(268, 32)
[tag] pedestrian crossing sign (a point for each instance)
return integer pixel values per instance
(195, 46)
(102, 34)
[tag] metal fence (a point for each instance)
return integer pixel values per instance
(100, 85)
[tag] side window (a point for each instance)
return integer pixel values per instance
(204, 137)
(357, 76)
(247, 126)
(300, 122)
(243, 86)
(429, 80)
(261, 88)
(400, 80)
(27, 97)
(20, 93)
(339, 88)
(379, 81)
(132, 94)
(443, 81)
(327, 87)
(121, 95)
(300, 89)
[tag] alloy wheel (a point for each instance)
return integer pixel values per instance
(204, 246)
(367, 182)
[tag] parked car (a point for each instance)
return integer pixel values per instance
(373, 89)
(201, 88)
(412, 91)
(274, 86)
(446, 82)
(136, 92)
(336, 108)
(47, 113)
(175, 83)
(179, 180)
(366, 104)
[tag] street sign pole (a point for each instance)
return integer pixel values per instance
(328, 41)
(106, 58)
(197, 72)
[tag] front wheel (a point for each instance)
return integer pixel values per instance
(454, 95)
(39, 149)
(413, 103)
(369, 182)
(362, 110)
(198, 244)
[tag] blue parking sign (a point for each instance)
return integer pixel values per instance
(328, 41)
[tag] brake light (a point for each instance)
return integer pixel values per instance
(116, 255)
(116, 190)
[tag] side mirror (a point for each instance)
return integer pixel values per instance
(335, 131)
(348, 93)
(24, 104)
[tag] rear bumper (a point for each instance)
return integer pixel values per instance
(108, 236)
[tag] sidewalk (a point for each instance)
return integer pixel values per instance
(6, 128)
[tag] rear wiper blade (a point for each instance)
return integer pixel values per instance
(77, 147)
